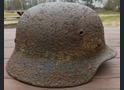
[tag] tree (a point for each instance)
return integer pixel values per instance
(71, 0)
(15, 5)
(89, 3)
(113, 5)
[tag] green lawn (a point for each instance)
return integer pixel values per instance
(10, 14)
(110, 19)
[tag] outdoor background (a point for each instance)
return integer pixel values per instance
(108, 10)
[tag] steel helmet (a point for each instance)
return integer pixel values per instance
(58, 45)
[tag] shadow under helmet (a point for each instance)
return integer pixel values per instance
(58, 45)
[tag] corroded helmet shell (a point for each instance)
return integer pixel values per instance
(58, 45)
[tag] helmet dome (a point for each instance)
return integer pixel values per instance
(58, 45)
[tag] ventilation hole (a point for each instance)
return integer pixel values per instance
(81, 32)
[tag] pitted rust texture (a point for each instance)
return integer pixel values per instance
(60, 28)
(58, 45)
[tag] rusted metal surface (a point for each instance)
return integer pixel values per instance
(58, 45)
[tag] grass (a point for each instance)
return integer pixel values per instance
(10, 14)
(10, 22)
(110, 19)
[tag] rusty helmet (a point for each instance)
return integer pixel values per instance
(58, 45)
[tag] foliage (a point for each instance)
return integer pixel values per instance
(89, 3)
(113, 5)
(20, 4)
(25, 4)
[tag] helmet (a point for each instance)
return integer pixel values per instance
(58, 45)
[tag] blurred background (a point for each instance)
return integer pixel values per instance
(108, 10)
